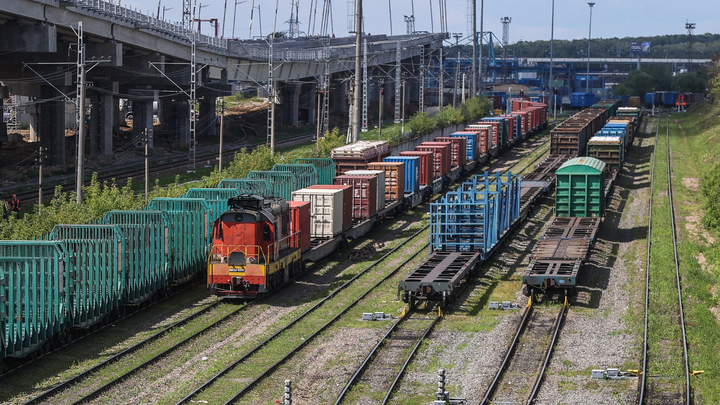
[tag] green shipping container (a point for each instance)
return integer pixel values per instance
(283, 183)
(189, 236)
(96, 280)
(325, 168)
(248, 186)
(216, 197)
(580, 188)
(146, 238)
(307, 174)
(33, 294)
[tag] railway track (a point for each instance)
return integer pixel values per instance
(663, 392)
(156, 169)
(406, 335)
(520, 375)
(256, 354)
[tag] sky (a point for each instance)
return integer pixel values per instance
(530, 18)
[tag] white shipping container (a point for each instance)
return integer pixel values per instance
(380, 174)
(326, 211)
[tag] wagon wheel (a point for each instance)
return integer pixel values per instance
(412, 303)
(444, 299)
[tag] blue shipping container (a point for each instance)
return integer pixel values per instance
(582, 100)
(669, 97)
(472, 140)
(412, 171)
(624, 100)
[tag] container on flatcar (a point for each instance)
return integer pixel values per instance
(487, 136)
(357, 155)
(326, 210)
(471, 143)
(248, 186)
(412, 171)
(380, 175)
(394, 179)
(458, 150)
(501, 129)
(283, 183)
(580, 189)
(300, 222)
(441, 158)
(325, 168)
(608, 149)
(581, 100)
(306, 174)
(426, 165)
(634, 101)
(347, 202)
(446, 152)
(364, 194)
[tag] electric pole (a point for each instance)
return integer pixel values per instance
(382, 83)
(222, 127)
(80, 113)
(356, 105)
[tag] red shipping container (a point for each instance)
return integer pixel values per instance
(511, 126)
(347, 202)
(446, 152)
(458, 149)
(364, 194)
(439, 159)
(495, 134)
(426, 165)
(300, 213)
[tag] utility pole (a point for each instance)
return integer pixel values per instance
(40, 176)
(457, 71)
(146, 141)
(587, 78)
(356, 105)
(480, 47)
(441, 87)
(402, 125)
(222, 127)
(365, 86)
(398, 69)
(80, 113)
(552, 36)
(326, 100)
(475, 47)
(463, 87)
(422, 79)
(318, 95)
(382, 83)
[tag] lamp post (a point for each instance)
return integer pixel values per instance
(587, 78)
(234, 14)
(552, 36)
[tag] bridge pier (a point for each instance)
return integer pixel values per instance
(52, 126)
(207, 117)
(102, 117)
(143, 119)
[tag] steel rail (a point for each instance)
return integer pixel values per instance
(407, 361)
(688, 393)
(227, 369)
(319, 331)
(643, 373)
(75, 379)
(157, 357)
(558, 323)
(508, 355)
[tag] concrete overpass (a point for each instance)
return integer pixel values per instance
(146, 60)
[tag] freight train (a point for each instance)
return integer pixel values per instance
(468, 224)
(368, 185)
(83, 275)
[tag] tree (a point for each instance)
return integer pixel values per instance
(639, 83)
(688, 83)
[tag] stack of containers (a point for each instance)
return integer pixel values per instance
(357, 155)
(412, 171)
(325, 168)
(471, 140)
(425, 165)
(306, 174)
(458, 151)
(364, 194)
(330, 209)
(300, 222)
(283, 183)
(394, 179)
(380, 175)
(475, 216)
(441, 156)
(248, 186)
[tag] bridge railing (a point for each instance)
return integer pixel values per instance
(175, 31)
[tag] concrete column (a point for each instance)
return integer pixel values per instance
(101, 124)
(290, 103)
(166, 115)
(52, 126)
(118, 117)
(182, 116)
(31, 111)
(206, 125)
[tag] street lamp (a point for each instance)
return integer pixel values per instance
(552, 35)
(234, 14)
(587, 78)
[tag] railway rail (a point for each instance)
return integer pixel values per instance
(399, 337)
(209, 383)
(644, 396)
(523, 358)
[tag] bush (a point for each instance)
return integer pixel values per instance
(710, 186)
(449, 115)
(476, 108)
(328, 142)
(420, 124)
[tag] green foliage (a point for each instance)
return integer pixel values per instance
(714, 79)
(420, 124)
(328, 142)
(242, 164)
(710, 187)
(639, 83)
(449, 115)
(476, 108)
(688, 83)
(622, 90)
